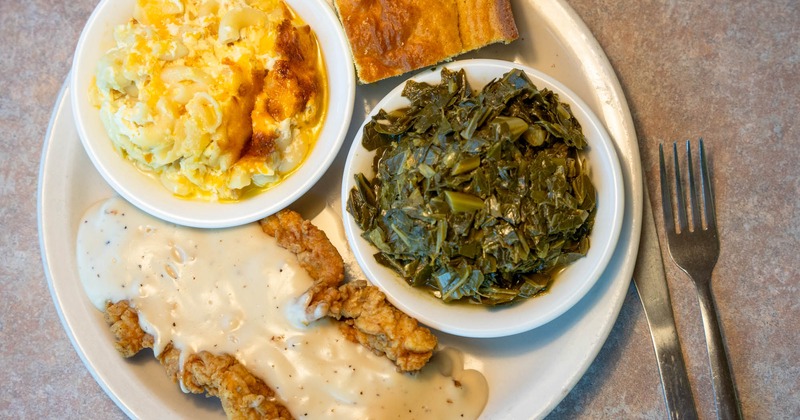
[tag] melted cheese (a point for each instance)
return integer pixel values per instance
(235, 291)
(177, 94)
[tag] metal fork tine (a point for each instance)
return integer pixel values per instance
(708, 197)
(696, 252)
(680, 204)
(693, 200)
(666, 194)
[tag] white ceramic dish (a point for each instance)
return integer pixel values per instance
(146, 192)
(571, 284)
(528, 373)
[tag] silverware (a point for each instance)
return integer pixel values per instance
(695, 249)
(648, 276)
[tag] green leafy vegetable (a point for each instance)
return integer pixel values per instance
(478, 196)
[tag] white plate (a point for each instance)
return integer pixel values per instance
(572, 284)
(528, 373)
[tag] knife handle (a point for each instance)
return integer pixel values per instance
(671, 367)
(652, 288)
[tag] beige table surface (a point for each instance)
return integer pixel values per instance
(728, 71)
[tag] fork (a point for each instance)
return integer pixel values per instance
(695, 249)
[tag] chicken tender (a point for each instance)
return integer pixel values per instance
(243, 395)
(314, 250)
(364, 315)
(367, 317)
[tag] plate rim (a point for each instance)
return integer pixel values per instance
(614, 113)
(44, 239)
(575, 32)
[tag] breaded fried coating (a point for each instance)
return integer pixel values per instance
(124, 322)
(313, 249)
(243, 395)
(367, 317)
(314, 252)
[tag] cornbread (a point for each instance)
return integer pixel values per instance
(216, 98)
(389, 38)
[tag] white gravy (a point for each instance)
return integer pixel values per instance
(235, 291)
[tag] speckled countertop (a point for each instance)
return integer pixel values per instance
(728, 71)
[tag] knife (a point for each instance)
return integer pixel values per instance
(651, 283)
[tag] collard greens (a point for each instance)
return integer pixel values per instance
(478, 196)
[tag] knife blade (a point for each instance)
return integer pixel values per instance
(651, 284)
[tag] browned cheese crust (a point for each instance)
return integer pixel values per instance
(392, 37)
(293, 88)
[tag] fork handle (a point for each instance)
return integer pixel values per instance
(724, 390)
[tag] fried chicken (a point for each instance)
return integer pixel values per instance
(365, 317)
(313, 249)
(243, 395)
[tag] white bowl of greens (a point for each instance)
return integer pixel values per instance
(497, 201)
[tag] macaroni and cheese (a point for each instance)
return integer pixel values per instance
(215, 97)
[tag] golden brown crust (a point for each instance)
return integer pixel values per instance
(293, 80)
(261, 144)
(483, 22)
(367, 317)
(124, 323)
(392, 37)
(314, 251)
(292, 88)
(243, 395)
